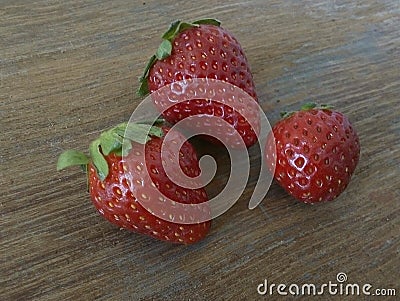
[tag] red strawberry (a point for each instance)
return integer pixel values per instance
(201, 49)
(317, 150)
(117, 182)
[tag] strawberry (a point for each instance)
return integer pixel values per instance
(201, 49)
(117, 182)
(317, 150)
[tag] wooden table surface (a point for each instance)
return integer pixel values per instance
(69, 69)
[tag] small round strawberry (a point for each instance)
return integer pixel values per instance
(201, 49)
(118, 185)
(317, 151)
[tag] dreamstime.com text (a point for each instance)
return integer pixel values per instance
(339, 287)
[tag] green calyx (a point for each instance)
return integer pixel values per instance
(306, 107)
(117, 140)
(165, 48)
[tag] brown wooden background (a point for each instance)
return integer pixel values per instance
(69, 70)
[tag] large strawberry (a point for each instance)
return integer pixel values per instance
(201, 49)
(317, 150)
(118, 185)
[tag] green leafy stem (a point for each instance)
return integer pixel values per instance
(165, 48)
(117, 140)
(306, 107)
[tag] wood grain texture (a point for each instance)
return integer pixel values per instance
(68, 69)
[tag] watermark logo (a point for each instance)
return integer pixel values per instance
(340, 287)
(341, 277)
(218, 93)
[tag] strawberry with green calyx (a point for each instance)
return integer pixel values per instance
(201, 49)
(116, 188)
(317, 151)
(165, 48)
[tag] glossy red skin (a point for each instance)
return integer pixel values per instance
(317, 152)
(114, 199)
(206, 51)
